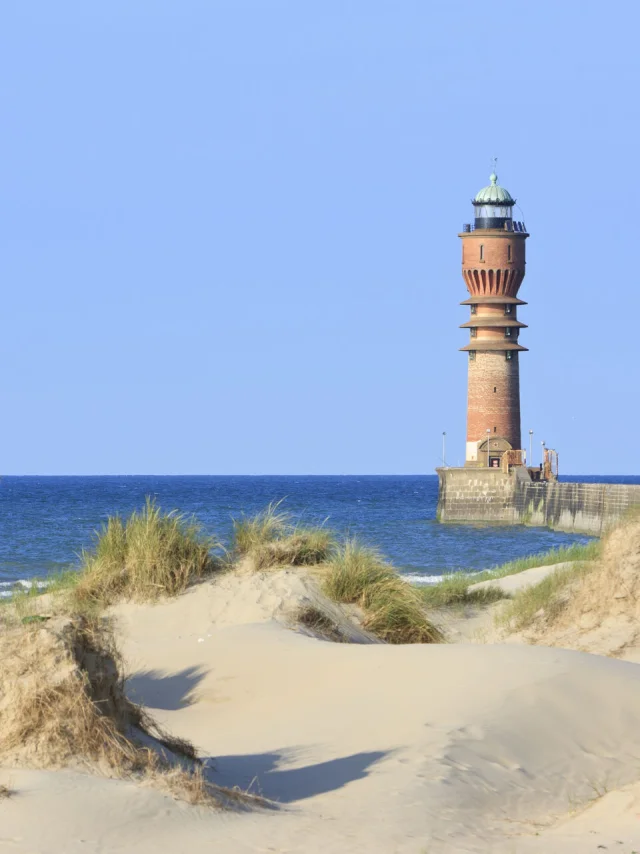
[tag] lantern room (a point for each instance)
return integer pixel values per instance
(493, 206)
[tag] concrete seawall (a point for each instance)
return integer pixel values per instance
(485, 495)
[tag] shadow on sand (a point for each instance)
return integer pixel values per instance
(261, 775)
(170, 692)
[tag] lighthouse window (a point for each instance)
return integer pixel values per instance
(474, 309)
(508, 355)
(472, 355)
(474, 332)
(509, 252)
(507, 332)
(482, 252)
(507, 309)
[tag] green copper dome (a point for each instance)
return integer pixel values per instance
(494, 194)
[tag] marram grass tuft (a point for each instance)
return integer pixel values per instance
(270, 539)
(393, 608)
(150, 555)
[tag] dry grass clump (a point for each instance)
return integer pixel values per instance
(393, 609)
(319, 623)
(62, 703)
(62, 700)
(270, 539)
(151, 554)
(5, 792)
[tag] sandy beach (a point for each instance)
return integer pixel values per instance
(361, 747)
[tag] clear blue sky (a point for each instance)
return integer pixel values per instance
(228, 230)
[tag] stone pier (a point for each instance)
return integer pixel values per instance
(493, 496)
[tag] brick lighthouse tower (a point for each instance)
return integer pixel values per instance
(493, 267)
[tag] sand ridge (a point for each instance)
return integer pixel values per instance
(600, 610)
(365, 747)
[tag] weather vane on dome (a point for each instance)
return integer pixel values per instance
(494, 175)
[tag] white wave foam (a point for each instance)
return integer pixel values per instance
(20, 584)
(415, 578)
(29, 584)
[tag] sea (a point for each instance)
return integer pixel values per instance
(46, 522)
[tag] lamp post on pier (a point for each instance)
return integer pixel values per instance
(530, 447)
(444, 446)
(488, 443)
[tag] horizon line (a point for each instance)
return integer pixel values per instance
(296, 474)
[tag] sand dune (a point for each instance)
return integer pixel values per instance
(511, 584)
(364, 747)
(599, 612)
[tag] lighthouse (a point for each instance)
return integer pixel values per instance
(493, 267)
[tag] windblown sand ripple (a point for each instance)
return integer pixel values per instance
(366, 747)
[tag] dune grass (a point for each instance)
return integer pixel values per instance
(454, 589)
(151, 554)
(392, 608)
(562, 554)
(271, 539)
(547, 598)
(6, 792)
(63, 704)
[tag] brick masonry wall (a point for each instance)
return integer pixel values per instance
(494, 398)
(482, 495)
(497, 246)
(487, 253)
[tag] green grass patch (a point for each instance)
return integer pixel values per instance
(393, 609)
(548, 596)
(454, 589)
(271, 539)
(562, 554)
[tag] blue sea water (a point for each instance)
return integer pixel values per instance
(46, 521)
